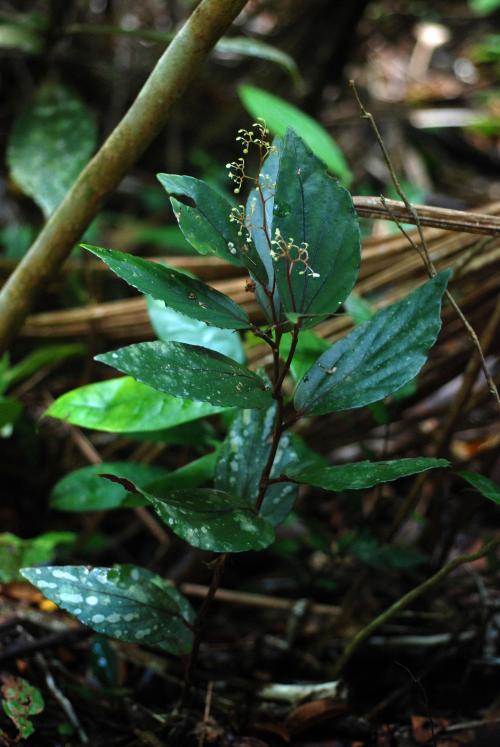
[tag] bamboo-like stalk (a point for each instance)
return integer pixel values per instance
(172, 74)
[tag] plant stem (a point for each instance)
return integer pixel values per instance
(407, 599)
(169, 79)
(218, 570)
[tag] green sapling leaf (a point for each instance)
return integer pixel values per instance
(210, 519)
(315, 235)
(178, 291)
(362, 475)
(378, 357)
(191, 372)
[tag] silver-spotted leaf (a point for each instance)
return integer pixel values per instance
(315, 227)
(176, 289)
(124, 602)
(124, 405)
(191, 372)
(378, 357)
(212, 519)
(362, 475)
(242, 459)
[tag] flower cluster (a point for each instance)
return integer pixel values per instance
(294, 254)
(258, 137)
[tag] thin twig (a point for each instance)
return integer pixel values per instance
(424, 253)
(407, 599)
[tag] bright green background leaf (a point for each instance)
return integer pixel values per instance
(124, 405)
(170, 326)
(483, 485)
(16, 552)
(279, 115)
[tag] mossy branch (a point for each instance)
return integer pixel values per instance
(145, 118)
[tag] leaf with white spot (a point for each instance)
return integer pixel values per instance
(177, 290)
(191, 372)
(210, 519)
(242, 459)
(124, 602)
(378, 357)
(361, 475)
(49, 145)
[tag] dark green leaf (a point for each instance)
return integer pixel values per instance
(378, 357)
(123, 405)
(16, 552)
(124, 602)
(192, 372)
(49, 145)
(85, 489)
(242, 459)
(259, 216)
(170, 326)
(20, 701)
(207, 226)
(369, 550)
(483, 485)
(211, 519)
(314, 211)
(279, 115)
(361, 475)
(180, 292)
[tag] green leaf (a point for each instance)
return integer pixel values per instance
(189, 371)
(242, 459)
(309, 347)
(124, 602)
(123, 405)
(20, 36)
(20, 701)
(247, 47)
(180, 292)
(259, 213)
(49, 145)
(85, 490)
(42, 356)
(378, 357)
(191, 475)
(170, 326)
(207, 226)
(279, 115)
(318, 214)
(10, 409)
(16, 552)
(211, 519)
(483, 485)
(361, 475)
(484, 7)
(359, 309)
